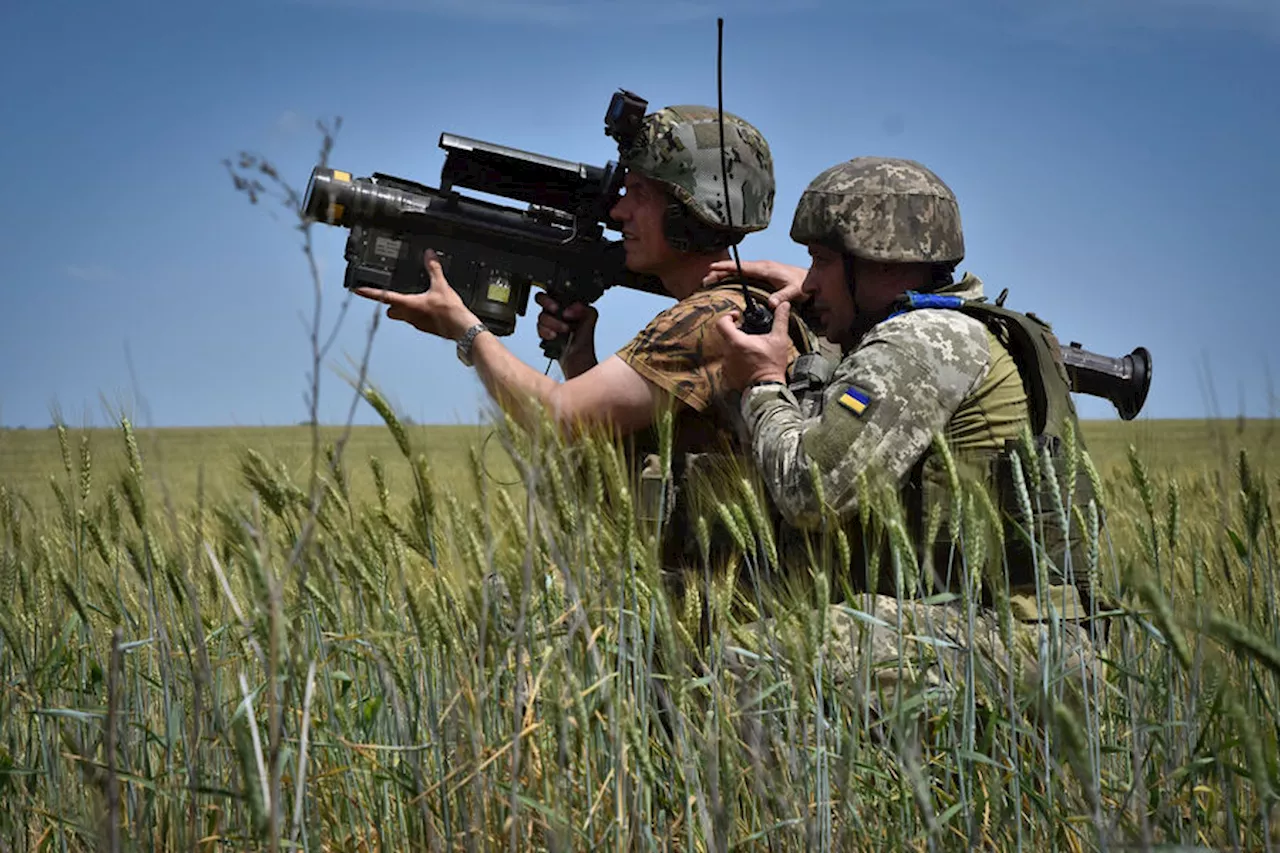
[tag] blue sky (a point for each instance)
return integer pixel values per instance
(1116, 164)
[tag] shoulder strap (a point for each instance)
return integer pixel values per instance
(1032, 345)
(1035, 349)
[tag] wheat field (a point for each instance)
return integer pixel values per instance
(462, 639)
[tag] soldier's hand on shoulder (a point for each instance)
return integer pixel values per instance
(786, 280)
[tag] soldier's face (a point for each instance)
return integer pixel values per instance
(831, 301)
(641, 212)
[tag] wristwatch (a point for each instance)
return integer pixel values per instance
(468, 338)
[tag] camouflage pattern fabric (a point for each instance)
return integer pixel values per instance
(881, 209)
(879, 643)
(680, 147)
(682, 353)
(886, 401)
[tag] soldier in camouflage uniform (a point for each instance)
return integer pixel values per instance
(675, 224)
(677, 219)
(884, 238)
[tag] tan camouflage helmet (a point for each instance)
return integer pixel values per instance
(881, 209)
(680, 147)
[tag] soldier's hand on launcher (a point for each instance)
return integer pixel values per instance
(437, 311)
(576, 319)
(786, 280)
(755, 358)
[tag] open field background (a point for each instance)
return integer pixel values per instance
(180, 459)
(177, 458)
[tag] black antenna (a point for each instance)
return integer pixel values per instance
(756, 319)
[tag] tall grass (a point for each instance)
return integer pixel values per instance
(419, 671)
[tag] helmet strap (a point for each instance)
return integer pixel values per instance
(686, 233)
(850, 277)
(863, 321)
(941, 274)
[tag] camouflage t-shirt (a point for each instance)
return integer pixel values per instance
(681, 352)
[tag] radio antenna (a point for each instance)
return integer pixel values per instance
(756, 319)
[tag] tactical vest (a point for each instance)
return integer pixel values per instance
(927, 497)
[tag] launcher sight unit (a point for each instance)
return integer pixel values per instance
(492, 253)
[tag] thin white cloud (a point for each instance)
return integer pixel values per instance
(1108, 20)
(93, 273)
(570, 12)
(289, 121)
(1250, 15)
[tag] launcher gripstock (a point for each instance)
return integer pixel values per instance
(1124, 380)
(493, 254)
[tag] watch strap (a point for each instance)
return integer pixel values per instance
(467, 340)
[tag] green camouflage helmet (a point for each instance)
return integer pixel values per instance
(680, 148)
(881, 209)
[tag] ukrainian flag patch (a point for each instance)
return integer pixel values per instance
(855, 400)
